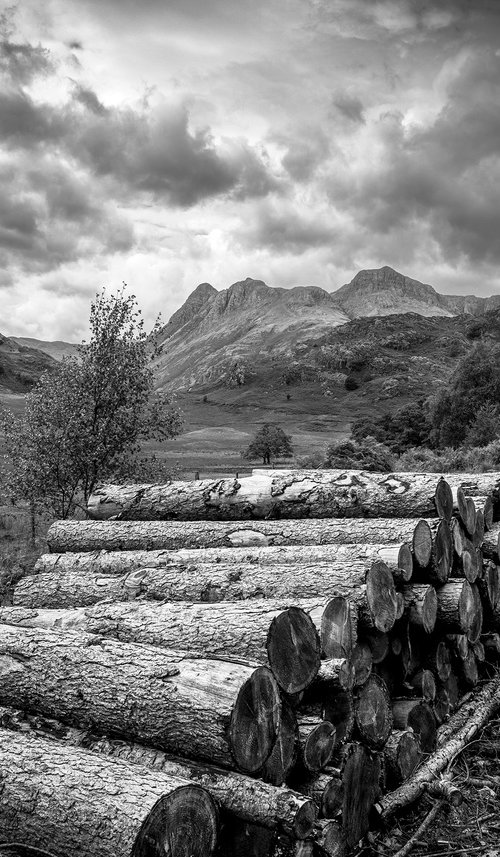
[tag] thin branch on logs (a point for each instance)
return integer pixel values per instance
(421, 829)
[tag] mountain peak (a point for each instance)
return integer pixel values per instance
(200, 297)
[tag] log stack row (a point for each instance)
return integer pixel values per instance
(244, 667)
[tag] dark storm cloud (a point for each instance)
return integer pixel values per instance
(305, 154)
(447, 174)
(24, 123)
(89, 99)
(350, 107)
(156, 151)
(53, 216)
(283, 228)
(19, 61)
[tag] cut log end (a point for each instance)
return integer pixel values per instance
(471, 611)
(422, 543)
(442, 553)
(361, 777)
(255, 720)
(294, 649)
(443, 499)
(284, 752)
(181, 824)
(372, 712)
(338, 635)
(402, 754)
(382, 597)
(318, 744)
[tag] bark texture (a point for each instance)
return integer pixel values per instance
(76, 802)
(396, 556)
(246, 798)
(282, 494)
(208, 582)
(226, 713)
(78, 536)
(251, 631)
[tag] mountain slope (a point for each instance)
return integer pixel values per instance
(249, 321)
(384, 291)
(57, 350)
(21, 366)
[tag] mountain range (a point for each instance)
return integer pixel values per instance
(252, 323)
(251, 329)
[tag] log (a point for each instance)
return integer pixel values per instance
(437, 659)
(439, 567)
(378, 644)
(397, 557)
(417, 715)
(485, 505)
(452, 739)
(362, 773)
(245, 798)
(466, 512)
(76, 802)
(223, 712)
(372, 712)
(258, 631)
(460, 609)
(325, 789)
(491, 543)
(424, 683)
(317, 743)
(377, 602)
(79, 536)
(362, 662)
(300, 494)
(421, 605)
(338, 709)
(402, 754)
(337, 622)
(479, 529)
(281, 761)
(489, 588)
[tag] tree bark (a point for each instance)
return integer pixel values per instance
(76, 802)
(377, 601)
(81, 536)
(248, 799)
(258, 631)
(459, 609)
(223, 712)
(397, 557)
(299, 494)
(453, 737)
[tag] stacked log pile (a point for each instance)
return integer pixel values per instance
(264, 666)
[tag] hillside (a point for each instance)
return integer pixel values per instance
(21, 365)
(57, 350)
(384, 291)
(250, 329)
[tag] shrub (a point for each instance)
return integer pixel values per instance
(363, 455)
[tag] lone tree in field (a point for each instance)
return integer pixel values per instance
(85, 420)
(269, 441)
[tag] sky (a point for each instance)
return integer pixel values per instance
(171, 142)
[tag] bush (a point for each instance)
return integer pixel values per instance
(363, 455)
(485, 427)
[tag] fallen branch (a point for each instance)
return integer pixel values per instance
(485, 704)
(405, 850)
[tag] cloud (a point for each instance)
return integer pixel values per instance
(306, 150)
(350, 107)
(446, 175)
(283, 227)
(21, 62)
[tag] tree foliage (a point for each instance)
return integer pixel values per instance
(269, 442)
(366, 454)
(474, 384)
(84, 422)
